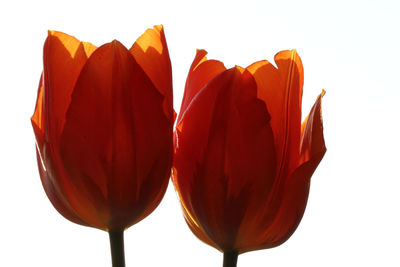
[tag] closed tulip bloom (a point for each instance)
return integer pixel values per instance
(103, 124)
(243, 159)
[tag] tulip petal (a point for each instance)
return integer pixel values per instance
(151, 53)
(64, 57)
(291, 70)
(197, 231)
(201, 72)
(55, 197)
(298, 184)
(281, 89)
(116, 141)
(230, 168)
(269, 84)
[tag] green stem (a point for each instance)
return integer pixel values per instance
(230, 259)
(117, 248)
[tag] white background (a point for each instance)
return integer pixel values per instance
(349, 48)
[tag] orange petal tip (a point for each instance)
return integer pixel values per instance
(199, 50)
(116, 43)
(238, 68)
(201, 53)
(158, 27)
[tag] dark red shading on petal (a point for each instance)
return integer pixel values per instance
(226, 174)
(151, 52)
(201, 72)
(117, 142)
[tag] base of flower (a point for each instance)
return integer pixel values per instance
(117, 248)
(230, 259)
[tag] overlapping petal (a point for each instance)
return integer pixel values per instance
(281, 88)
(201, 72)
(63, 58)
(151, 53)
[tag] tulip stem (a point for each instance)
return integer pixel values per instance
(117, 248)
(230, 258)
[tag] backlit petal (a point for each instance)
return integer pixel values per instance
(117, 142)
(63, 57)
(269, 89)
(201, 72)
(151, 53)
(291, 69)
(281, 90)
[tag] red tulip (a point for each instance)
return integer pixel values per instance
(243, 159)
(103, 124)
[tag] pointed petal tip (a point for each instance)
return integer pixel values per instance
(313, 141)
(200, 50)
(201, 54)
(57, 34)
(33, 120)
(116, 43)
(159, 27)
(239, 69)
